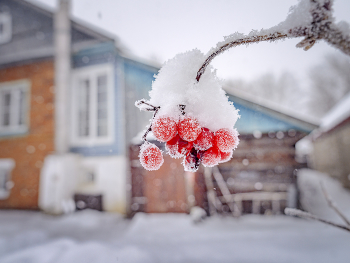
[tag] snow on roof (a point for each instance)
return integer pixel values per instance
(337, 114)
(271, 105)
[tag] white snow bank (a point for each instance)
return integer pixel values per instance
(313, 200)
(90, 237)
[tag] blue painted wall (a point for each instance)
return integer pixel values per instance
(138, 82)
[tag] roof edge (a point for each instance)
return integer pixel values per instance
(278, 109)
(77, 23)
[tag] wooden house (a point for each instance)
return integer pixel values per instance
(67, 93)
(260, 178)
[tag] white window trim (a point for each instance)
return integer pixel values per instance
(6, 164)
(6, 21)
(92, 72)
(23, 85)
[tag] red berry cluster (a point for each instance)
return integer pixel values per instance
(186, 138)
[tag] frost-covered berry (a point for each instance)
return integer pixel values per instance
(205, 140)
(151, 157)
(189, 129)
(226, 139)
(177, 147)
(225, 156)
(164, 128)
(211, 157)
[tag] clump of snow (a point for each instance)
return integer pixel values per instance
(299, 15)
(344, 27)
(205, 100)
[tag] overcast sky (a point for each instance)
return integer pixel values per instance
(159, 29)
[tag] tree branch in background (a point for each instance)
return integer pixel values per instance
(318, 25)
(305, 215)
(333, 205)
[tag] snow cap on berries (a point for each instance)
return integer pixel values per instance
(151, 157)
(205, 100)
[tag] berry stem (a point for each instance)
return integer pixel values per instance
(153, 108)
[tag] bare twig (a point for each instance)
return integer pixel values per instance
(333, 205)
(140, 104)
(305, 215)
(242, 41)
(321, 27)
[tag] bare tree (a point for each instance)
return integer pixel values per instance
(330, 81)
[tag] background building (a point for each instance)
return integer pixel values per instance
(65, 111)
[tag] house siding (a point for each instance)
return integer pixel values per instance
(40, 135)
(331, 153)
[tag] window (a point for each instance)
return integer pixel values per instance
(92, 104)
(5, 28)
(6, 166)
(13, 107)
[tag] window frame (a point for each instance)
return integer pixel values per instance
(13, 87)
(6, 165)
(92, 73)
(6, 21)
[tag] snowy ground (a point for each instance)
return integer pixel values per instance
(90, 236)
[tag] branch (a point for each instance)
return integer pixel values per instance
(333, 205)
(145, 106)
(320, 27)
(305, 215)
(247, 40)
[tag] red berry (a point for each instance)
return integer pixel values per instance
(225, 156)
(177, 147)
(226, 139)
(205, 140)
(151, 157)
(164, 128)
(211, 157)
(185, 147)
(189, 129)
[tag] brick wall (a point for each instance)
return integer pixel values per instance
(29, 150)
